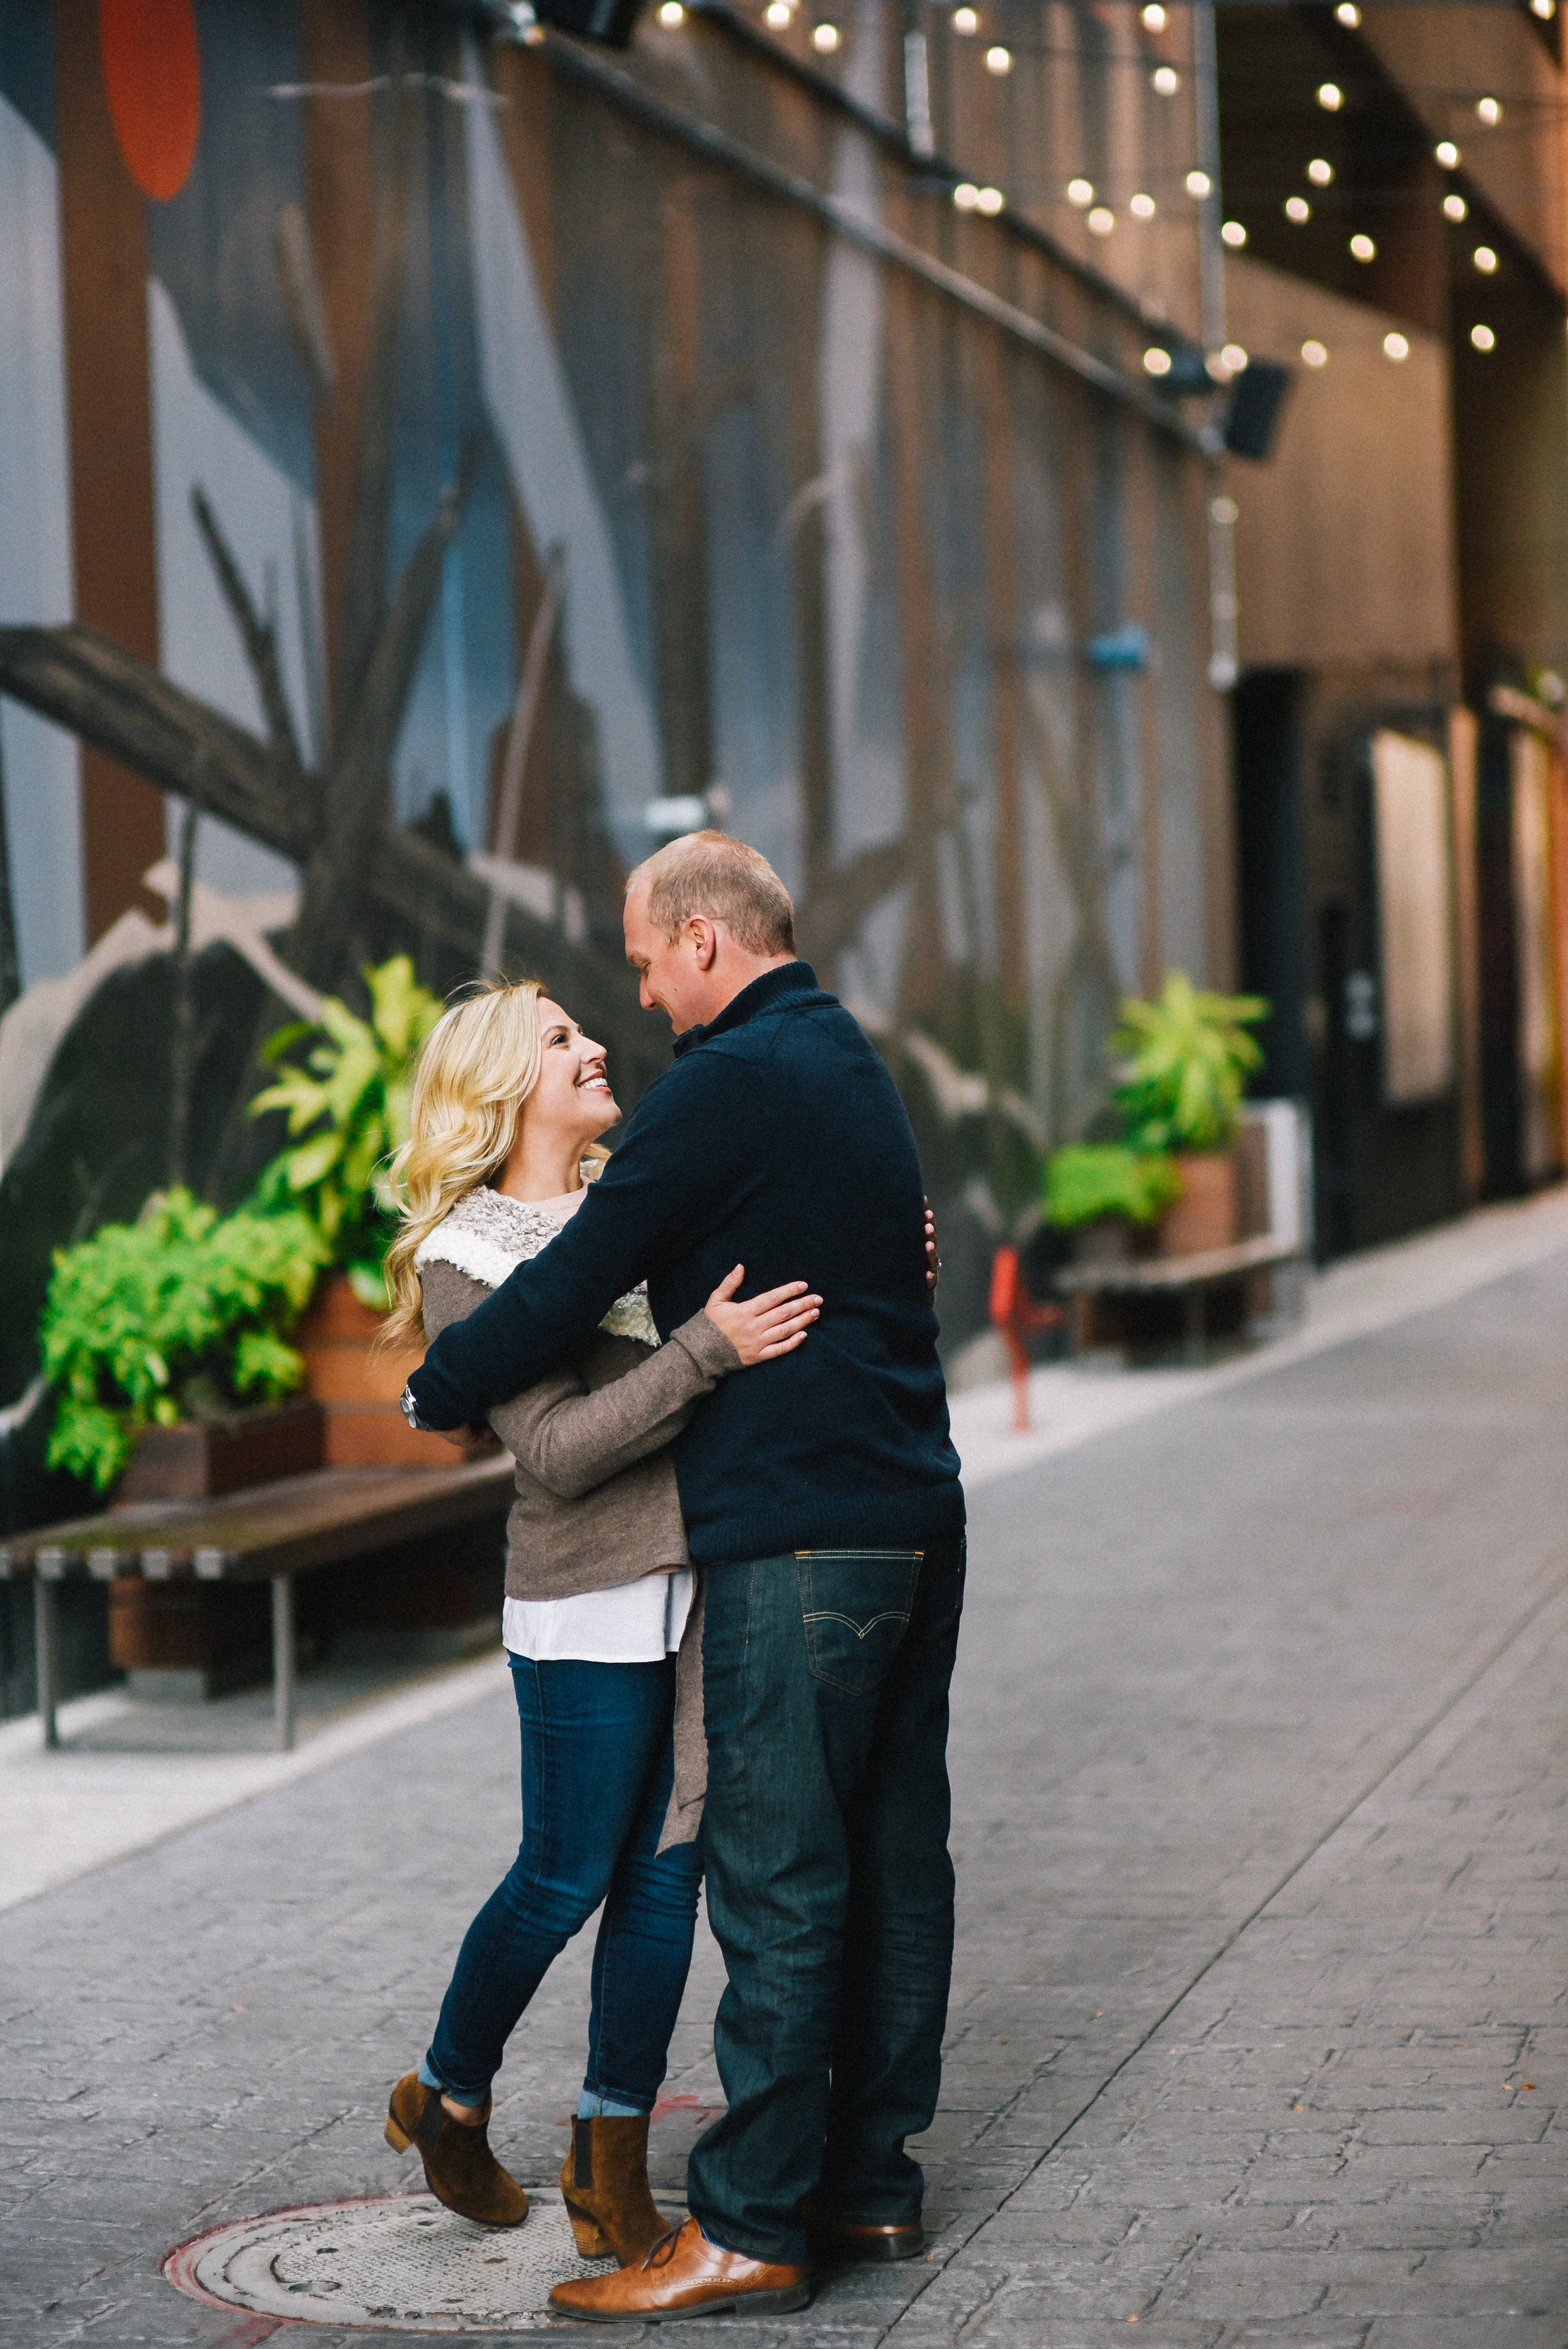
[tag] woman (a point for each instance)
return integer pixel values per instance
(600, 1624)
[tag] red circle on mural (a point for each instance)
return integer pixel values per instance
(152, 79)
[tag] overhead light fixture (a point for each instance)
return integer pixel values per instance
(1314, 354)
(1199, 184)
(1394, 347)
(1455, 207)
(1330, 97)
(1234, 235)
(1490, 111)
(998, 61)
(1363, 248)
(1102, 220)
(1483, 339)
(1141, 207)
(1165, 81)
(1156, 362)
(1297, 209)
(1446, 153)
(1320, 171)
(1080, 192)
(1485, 259)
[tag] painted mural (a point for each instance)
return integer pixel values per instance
(425, 485)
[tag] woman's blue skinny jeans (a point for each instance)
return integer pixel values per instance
(597, 1766)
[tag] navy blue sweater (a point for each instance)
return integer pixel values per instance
(776, 1141)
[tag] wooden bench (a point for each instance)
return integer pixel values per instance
(270, 1533)
(1187, 1277)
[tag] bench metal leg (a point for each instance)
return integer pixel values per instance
(46, 1647)
(284, 1660)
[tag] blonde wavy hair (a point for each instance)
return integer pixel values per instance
(475, 1069)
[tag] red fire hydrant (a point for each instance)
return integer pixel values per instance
(1016, 1316)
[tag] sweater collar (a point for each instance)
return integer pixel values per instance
(790, 983)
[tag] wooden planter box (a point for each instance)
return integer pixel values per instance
(360, 1391)
(200, 1459)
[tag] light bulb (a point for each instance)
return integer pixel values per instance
(1165, 80)
(778, 14)
(1483, 339)
(1320, 171)
(1490, 111)
(1454, 208)
(965, 20)
(1348, 13)
(1080, 192)
(1223, 510)
(1235, 356)
(1330, 97)
(1234, 235)
(998, 61)
(966, 196)
(1544, 9)
(1485, 259)
(1446, 153)
(825, 37)
(1314, 354)
(1141, 207)
(1395, 347)
(1102, 220)
(1154, 17)
(990, 202)
(1363, 248)
(672, 16)
(1200, 184)
(1156, 361)
(1297, 209)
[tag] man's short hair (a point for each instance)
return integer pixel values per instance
(708, 872)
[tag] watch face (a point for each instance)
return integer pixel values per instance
(410, 1408)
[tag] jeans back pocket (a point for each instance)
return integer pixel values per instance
(855, 1605)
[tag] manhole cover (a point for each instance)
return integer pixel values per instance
(402, 2264)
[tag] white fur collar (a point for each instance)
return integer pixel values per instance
(486, 1235)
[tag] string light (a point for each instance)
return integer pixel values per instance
(825, 37)
(966, 196)
(1297, 209)
(1544, 9)
(1165, 80)
(1234, 235)
(1455, 207)
(1154, 17)
(1314, 354)
(1483, 339)
(1156, 361)
(1199, 184)
(1490, 111)
(1320, 171)
(1141, 207)
(999, 60)
(1234, 359)
(1348, 13)
(672, 16)
(990, 202)
(1080, 192)
(1363, 248)
(778, 14)
(1102, 220)
(1485, 259)
(1394, 347)
(965, 20)
(1446, 153)
(1330, 97)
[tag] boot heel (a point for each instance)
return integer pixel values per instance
(398, 2138)
(587, 2234)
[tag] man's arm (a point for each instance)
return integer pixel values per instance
(639, 1210)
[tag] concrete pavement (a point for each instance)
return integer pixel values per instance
(1260, 1767)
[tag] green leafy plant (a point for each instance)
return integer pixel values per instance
(1184, 1061)
(1088, 1180)
(180, 1315)
(348, 1104)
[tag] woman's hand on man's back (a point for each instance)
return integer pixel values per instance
(761, 1327)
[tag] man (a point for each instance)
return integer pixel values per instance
(821, 1492)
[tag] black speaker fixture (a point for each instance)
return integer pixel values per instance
(610, 21)
(1257, 396)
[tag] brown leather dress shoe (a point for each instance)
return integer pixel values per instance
(683, 2275)
(832, 2238)
(459, 2167)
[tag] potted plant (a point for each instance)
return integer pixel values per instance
(1104, 1193)
(1183, 1061)
(167, 1342)
(343, 1083)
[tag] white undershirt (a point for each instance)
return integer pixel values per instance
(639, 1623)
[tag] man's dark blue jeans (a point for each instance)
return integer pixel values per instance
(597, 1766)
(829, 1884)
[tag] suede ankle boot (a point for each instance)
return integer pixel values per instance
(459, 2167)
(604, 2186)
